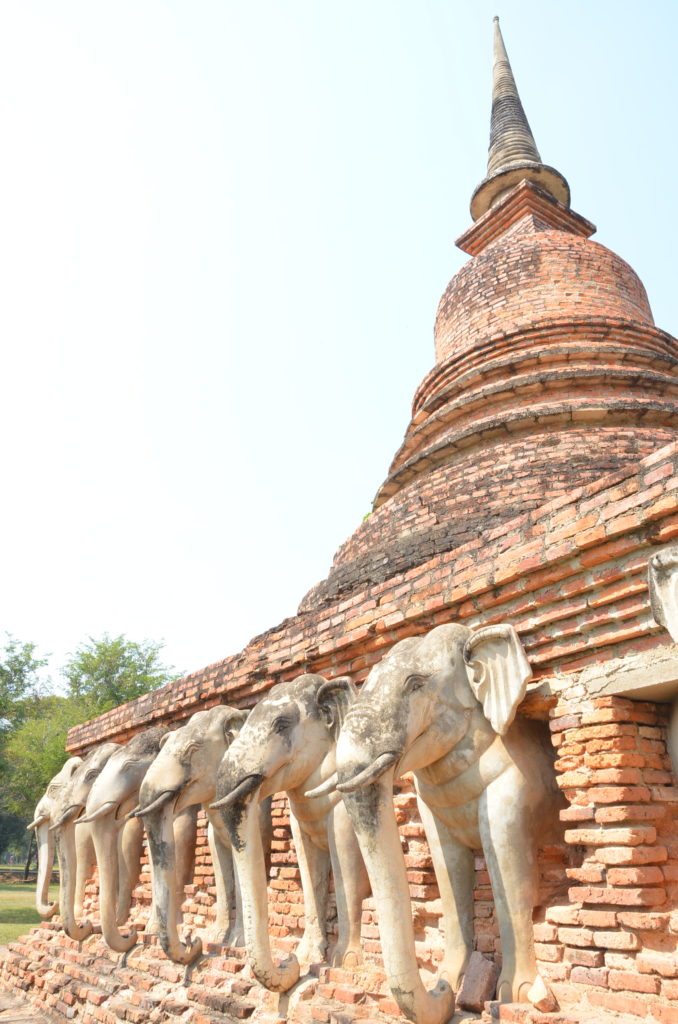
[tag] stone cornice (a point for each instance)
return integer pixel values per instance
(524, 200)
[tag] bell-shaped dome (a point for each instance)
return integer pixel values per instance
(532, 279)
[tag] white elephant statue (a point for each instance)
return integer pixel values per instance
(75, 848)
(443, 707)
(183, 777)
(288, 745)
(43, 819)
(118, 839)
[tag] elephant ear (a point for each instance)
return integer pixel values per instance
(334, 699)
(498, 672)
(71, 766)
(232, 723)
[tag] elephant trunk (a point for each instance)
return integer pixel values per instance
(243, 823)
(65, 842)
(45, 844)
(160, 832)
(371, 812)
(105, 835)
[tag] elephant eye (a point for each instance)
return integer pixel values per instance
(414, 682)
(282, 724)
(188, 752)
(127, 764)
(92, 774)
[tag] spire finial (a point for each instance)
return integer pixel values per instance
(513, 153)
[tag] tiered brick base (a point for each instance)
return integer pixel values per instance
(92, 985)
(606, 937)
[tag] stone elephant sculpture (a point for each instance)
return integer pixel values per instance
(443, 707)
(184, 776)
(288, 744)
(42, 820)
(118, 840)
(75, 849)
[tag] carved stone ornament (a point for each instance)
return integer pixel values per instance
(662, 581)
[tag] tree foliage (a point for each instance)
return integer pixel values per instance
(100, 675)
(19, 680)
(35, 752)
(113, 670)
(12, 833)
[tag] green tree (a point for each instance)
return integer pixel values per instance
(13, 834)
(20, 694)
(36, 751)
(113, 670)
(19, 681)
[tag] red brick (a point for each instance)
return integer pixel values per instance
(631, 981)
(576, 936)
(664, 1014)
(650, 961)
(635, 876)
(645, 897)
(618, 1003)
(612, 837)
(585, 957)
(589, 976)
(618, 855)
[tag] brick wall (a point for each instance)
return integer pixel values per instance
(475, 491)
(569, 575)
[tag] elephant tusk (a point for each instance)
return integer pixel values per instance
(99, 813)
(69, 813)
(243, 789)
(155, 805)
(369, 774)
(38, 821)
(134, 813)
(328, 786)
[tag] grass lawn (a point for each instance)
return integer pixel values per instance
(17, 910)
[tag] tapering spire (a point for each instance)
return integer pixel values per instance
(513, 153)
(511, 140)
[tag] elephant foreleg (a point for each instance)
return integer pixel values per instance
(227, 927)
(352, 886)
(314, 868)
(507, 830)
(453, 866)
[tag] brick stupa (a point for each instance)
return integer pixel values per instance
(538, 475)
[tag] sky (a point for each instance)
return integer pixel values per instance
(225, 226)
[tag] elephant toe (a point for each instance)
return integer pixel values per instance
(352, 958)
(347, 958)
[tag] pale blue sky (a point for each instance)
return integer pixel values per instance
(225, 227)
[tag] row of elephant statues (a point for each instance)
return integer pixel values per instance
(442, 706)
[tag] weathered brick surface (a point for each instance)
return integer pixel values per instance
(574, 602)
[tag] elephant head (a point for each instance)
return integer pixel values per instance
(118, 841)
(42, 820)
(184, 774)
(72, 852)
(442, 705)
(287, 744)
